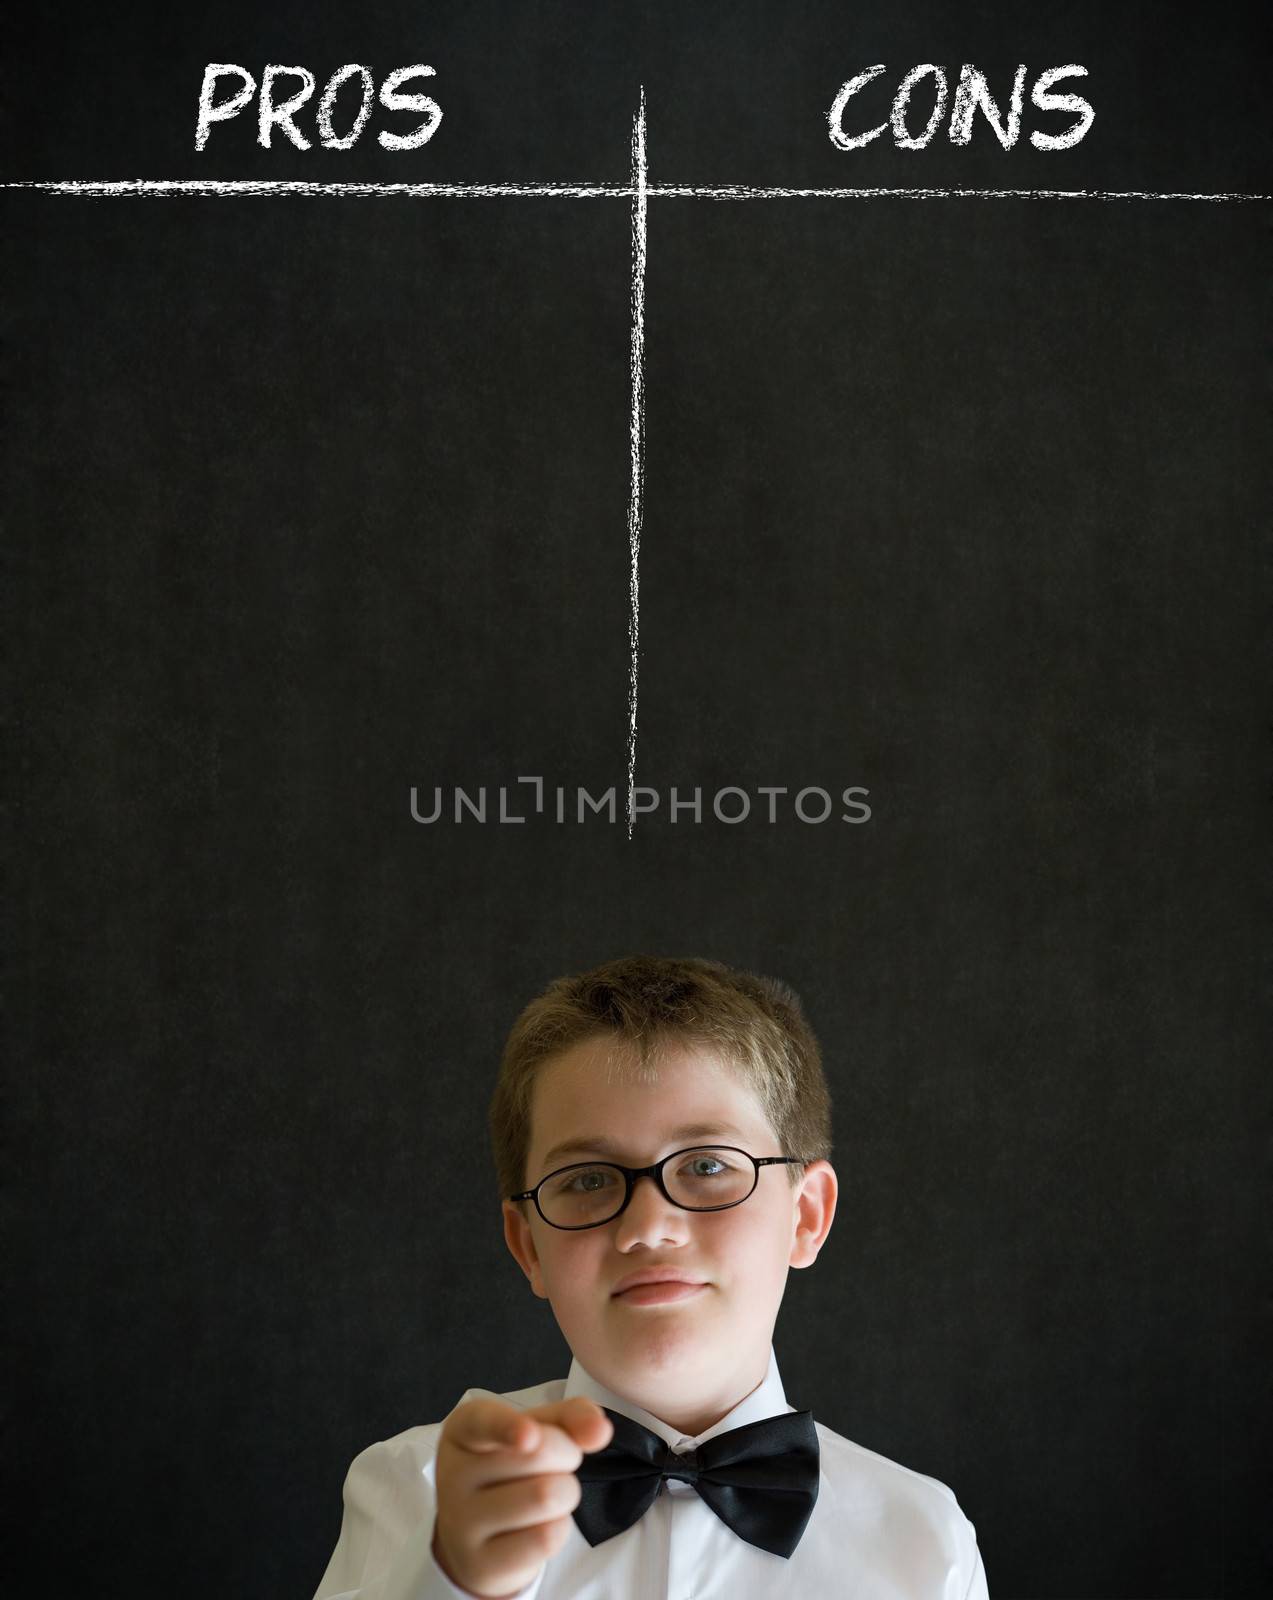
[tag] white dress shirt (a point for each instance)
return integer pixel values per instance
(878, 1530)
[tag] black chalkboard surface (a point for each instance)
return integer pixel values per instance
(931, 519)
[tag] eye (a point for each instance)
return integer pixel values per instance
(591, 1180)
(704, 1166)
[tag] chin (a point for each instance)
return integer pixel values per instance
(661, 1344)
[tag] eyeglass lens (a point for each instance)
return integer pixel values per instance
(697, 1179)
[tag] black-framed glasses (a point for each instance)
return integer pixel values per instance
(712, 1177)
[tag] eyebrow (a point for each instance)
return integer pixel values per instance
(597, 1145)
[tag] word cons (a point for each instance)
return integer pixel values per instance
(280, 99)
(972, 94)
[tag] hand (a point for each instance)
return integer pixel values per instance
(506, 1487)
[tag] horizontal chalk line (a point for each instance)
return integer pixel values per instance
(162, 187)
(743, 192)
(254, 187)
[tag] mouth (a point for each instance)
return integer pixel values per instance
(657, 1294)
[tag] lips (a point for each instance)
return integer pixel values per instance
(651, 1276)
(660, 1294)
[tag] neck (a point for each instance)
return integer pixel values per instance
(695, 1415)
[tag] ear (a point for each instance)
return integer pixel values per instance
(813, 1210)
(521, 1244)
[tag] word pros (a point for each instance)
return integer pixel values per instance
(972, 94)
(274, 112)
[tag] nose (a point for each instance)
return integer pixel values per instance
(650, 1219)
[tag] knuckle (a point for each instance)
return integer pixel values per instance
(546, 1495)
(562, 1451)
(546, 1538)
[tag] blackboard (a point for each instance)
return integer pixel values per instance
(957, 500)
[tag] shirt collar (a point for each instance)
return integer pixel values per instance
(768, 1399)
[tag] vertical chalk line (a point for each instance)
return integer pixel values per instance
(636, 432)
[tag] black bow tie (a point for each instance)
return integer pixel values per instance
(761, 1480)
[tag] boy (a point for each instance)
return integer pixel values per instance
(661, 1129)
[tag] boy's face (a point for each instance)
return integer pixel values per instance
(692, 1359)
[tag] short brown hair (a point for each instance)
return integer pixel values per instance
(756, 1024)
